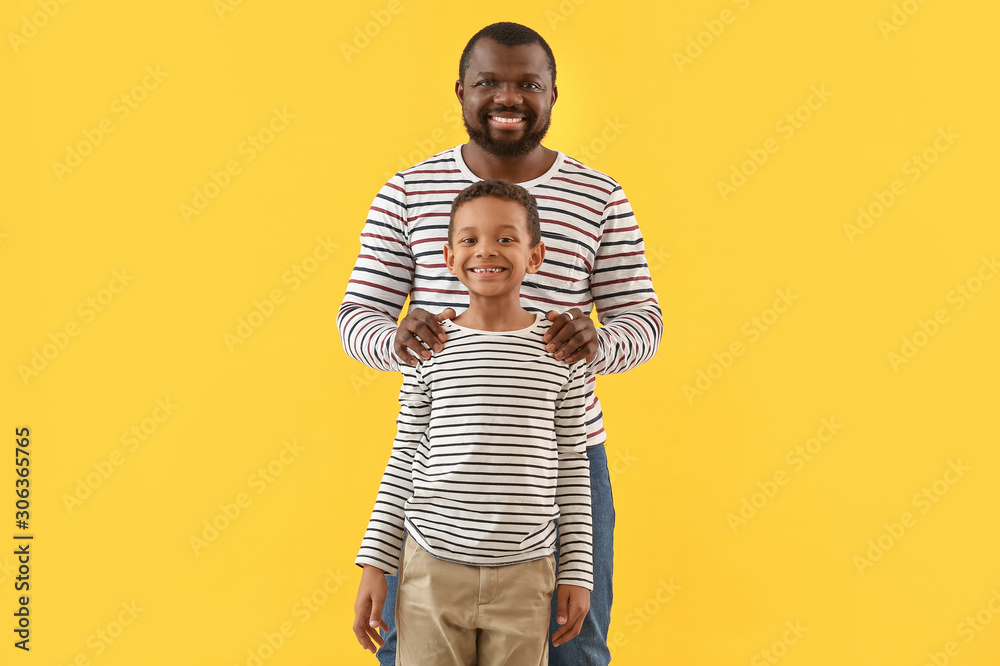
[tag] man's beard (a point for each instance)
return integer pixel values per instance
(506, 149)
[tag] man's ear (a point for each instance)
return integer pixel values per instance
(449, 259)
(460, 91)
(535, 258)
(555, 94)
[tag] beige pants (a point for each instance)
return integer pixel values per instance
(450, 614)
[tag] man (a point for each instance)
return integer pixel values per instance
(594, 257)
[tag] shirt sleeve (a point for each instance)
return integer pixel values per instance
(383, 539)
(576, 562)
(627, 307)
(380, 282)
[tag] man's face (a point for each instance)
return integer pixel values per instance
(490, 249)
(507, 98)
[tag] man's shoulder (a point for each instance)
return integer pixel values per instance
(439, 165)
(572, 166)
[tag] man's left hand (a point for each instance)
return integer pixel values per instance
(571, 337)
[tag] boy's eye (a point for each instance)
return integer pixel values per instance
(468, 240)
(506, 239)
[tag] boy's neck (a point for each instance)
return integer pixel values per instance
(486, 314)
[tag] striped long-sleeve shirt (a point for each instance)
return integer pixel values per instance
(490, 451)
(594, 257)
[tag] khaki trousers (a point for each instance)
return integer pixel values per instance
(450, 614)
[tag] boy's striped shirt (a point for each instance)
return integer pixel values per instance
(490, 451)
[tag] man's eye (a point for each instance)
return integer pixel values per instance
(533, 85)
(485, 83)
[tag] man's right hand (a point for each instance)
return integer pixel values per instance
(419, 333)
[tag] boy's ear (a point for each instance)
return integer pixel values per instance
(449, 259)
(535, 258)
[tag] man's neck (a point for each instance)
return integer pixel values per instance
(514, 170)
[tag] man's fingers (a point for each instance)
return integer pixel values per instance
(558, 322)
(587, 351)
(447, 314)
(429, 333)
(428, 327)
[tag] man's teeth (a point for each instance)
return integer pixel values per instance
(487, 270)
(506, 120)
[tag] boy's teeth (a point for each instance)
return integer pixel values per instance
(487, 270)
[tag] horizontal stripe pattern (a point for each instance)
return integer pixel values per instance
(490, 454)
(594, 259)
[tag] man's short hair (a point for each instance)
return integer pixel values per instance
(500, 189)
(506, 34)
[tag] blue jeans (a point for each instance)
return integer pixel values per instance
(590, 648)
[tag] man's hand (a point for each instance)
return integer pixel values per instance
(573, 602)
(572, 336)
(368, 608)
(418, 334)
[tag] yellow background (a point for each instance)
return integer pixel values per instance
(669, 131)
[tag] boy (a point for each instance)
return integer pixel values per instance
(490, 451)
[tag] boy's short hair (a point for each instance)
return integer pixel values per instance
(500, 189)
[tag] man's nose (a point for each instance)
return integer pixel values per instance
(508, 95)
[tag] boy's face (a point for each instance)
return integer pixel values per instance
(490, 250)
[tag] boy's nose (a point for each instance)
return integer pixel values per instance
(486, 250)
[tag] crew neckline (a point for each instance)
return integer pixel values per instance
(467, 172)
(526, 329)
